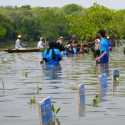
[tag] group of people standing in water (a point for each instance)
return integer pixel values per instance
(54, 53)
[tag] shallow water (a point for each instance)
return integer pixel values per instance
(22, 77)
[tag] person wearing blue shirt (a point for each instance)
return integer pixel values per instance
(52, 55)
(103, 58)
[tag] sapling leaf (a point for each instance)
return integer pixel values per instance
(57, 110)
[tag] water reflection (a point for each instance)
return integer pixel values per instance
(115, 85)
(115, 80)
(57, 122)
(103, 86)
(102, 68)
(81, 100)
(2, 83)
(2, 87)
(52, 72)
(102, 72)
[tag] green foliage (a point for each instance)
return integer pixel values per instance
(72, 9)
(92, 19)
(33, 100)
(55, 109)
(51, 23)
(6, 29)
(2, 32)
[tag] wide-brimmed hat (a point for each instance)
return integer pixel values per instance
(61, 37)
(19, 36)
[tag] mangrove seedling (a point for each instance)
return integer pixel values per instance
(33, 100)
(55, 109)
(96, 101)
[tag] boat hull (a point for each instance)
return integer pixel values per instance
(23, 50)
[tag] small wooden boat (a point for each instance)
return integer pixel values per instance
(23, 50)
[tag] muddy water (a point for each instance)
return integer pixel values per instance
(22, 78)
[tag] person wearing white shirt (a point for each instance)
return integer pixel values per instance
(18, 42)
(40, 43)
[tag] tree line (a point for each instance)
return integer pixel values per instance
(50, 23)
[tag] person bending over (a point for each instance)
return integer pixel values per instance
(52, 55)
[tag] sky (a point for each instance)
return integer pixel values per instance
(114, 4)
